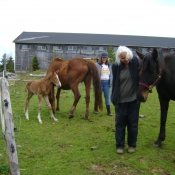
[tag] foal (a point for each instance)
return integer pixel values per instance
(42, 89)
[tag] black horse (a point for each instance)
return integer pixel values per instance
(158, 69)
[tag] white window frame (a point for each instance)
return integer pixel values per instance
(26, 47)
(72, 47)
(41, 47)
(102, 48)
(57, 48)
(88, 48)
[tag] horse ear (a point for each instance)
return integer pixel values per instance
(57, 71)
(140, 55)
(155, 54)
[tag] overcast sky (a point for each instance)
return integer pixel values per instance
(126, 17)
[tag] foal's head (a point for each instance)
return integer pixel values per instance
(53, 76)
(149, 74)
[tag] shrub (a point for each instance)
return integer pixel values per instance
(35, 64)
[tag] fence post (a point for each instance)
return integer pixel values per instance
(4, 56)
(9, 127)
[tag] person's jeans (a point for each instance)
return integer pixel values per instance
(106, 89)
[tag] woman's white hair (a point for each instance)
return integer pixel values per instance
(121, 49)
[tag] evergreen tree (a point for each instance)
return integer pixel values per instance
(111, 54)
(35, 64)
(2, 65)
(10, 65)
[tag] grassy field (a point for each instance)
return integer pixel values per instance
(64, 147)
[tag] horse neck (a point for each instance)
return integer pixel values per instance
(47, 82)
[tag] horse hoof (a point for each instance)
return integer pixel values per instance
(56, 120)
(156, 145)
(86, 118)
(71, 115)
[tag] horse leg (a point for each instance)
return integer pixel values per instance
(39, 108)
(77, 96)
(29, 96)
(58, 99)
(164, 103)
(52, 98)
(50, 107)
(87, 84)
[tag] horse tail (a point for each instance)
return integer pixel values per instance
(26, 87)
(26, 90)
(97, 85)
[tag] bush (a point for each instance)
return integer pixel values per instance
(111, 54)
(35, 64)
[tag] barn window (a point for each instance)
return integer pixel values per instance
(101, 48)
(57, 48)
(88, 48)
(25, 47)
(72, 47)
(40, 47)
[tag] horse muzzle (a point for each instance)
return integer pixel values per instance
(142, 96)
(58, 85)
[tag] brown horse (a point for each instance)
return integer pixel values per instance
(42, 89)
(71, 73)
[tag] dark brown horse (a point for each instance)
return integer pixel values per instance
(158, 70)
(42, 89)
(73, 72)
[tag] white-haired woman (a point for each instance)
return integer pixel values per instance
(124, 87)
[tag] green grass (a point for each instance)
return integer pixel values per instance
(64, 148)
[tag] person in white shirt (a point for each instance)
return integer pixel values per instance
(106, 79)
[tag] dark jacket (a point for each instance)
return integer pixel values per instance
(134, 71)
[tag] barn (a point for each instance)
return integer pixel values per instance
(46, 46)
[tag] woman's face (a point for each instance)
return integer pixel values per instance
(103, 60)
(124, 59)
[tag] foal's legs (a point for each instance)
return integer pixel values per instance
(29, 96)
(39, 108)
(50, 107)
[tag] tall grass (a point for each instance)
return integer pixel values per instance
(64, 148)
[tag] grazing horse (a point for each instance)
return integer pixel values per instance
(158, 70)
(42, 89)
(71, 73)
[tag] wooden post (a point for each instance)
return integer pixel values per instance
(9, 127)
(4, 56)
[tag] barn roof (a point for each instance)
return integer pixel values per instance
(94, 39)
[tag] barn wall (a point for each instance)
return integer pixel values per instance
(24, 57)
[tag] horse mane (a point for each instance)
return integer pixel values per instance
(147, 59)
(47, 76)
(150, 61)
(160, 58)
(57, 59)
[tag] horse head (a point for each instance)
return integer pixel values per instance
(55, 79)
(149, 73)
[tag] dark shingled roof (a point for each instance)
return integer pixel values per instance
(94, 39)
